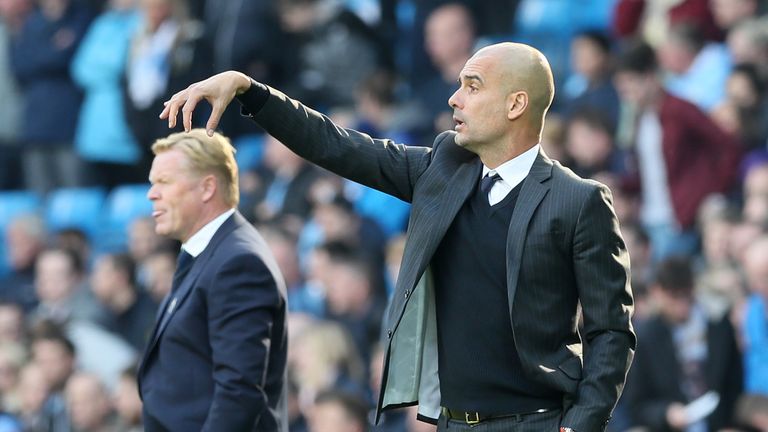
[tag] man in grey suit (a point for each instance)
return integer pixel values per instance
(503, 245)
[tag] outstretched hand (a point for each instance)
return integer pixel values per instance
(218, 90)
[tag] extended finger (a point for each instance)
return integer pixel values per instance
(173, 107)
(189, 107)
(217, 109)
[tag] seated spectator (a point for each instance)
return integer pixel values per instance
(729, 13)
(590, 85)
(327, 51)
(129, 310)
(449, 37)
(127, 403)
(157, 273)
(280, 187)
(55, 354)
(25, 239)
(744, 112)
(748, 44)
(88, 404)
(692, 353)
(589, 145)
(323, 357)
(33, 392)
(697, 69)
(12, 359)
(336, 411)
(12, 319)
(755, 325)
(60, 290)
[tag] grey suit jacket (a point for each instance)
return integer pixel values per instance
(564, 248)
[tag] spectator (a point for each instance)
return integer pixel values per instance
(102, 137)
(41, 55)
(60, 290)
(33, 392)
(744, 112)
(589, 145)
(336, 411)
(449, 34)
(25, 238)
(697, 70)
(130, 312)
(693, 354)
(12, 16)
(729, 13)
(157, 273)
(677, 147)
(590, 85)
(12, 329)
(127, 403)
(12, 360)
(55, 354)
(166, 52)
(88, 404)
(755, 326)
(748, 43)
(284, 181)
(333, 51)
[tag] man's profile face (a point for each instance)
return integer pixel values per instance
(479, 104)
(176, 195)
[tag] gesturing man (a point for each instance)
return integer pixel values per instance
(503, 245)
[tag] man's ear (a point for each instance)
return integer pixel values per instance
(517, 103)
(209, 185)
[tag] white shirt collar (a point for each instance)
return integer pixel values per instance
(515, 170)
(199, 240)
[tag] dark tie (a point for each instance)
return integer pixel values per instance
(183, 264)
(488, 181)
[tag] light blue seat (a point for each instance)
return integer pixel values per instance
(124, 205)
(79, 208)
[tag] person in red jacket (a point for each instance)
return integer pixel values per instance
(682, 156)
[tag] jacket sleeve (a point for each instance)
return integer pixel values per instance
(242, 305)
(377, 163)
(601, 266)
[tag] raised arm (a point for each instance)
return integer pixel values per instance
(378, 163)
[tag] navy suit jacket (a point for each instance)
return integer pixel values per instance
(217, 362)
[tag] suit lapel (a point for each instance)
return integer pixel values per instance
(173, 301)
(429, 223)
(533, 191)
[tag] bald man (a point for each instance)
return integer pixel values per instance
(503, 244)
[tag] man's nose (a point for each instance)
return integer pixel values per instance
(453, 101)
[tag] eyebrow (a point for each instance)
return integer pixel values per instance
(470, 78)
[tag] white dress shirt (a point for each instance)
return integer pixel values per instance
(199, 241)
(512, 172)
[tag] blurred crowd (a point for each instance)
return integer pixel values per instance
(675, 125)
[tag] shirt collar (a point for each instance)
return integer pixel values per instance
(199, 241)
(516, 169)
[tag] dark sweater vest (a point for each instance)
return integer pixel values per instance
(479, 367)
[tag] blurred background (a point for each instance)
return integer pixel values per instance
(82, 272)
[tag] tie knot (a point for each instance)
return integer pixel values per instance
(488, 181)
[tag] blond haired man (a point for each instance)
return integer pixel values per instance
(216, 359)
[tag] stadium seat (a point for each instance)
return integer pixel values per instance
(125, 204)
(250, 149)
(79, 208)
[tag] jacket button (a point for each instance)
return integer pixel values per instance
(407, 294)
(389, 334)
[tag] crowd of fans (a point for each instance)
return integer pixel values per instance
(663, 101)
